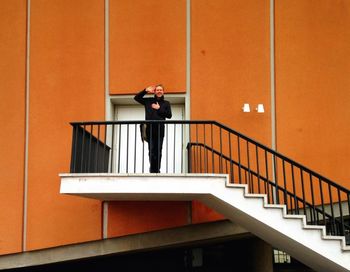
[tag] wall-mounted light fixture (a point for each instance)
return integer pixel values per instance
(246, 107)
(260, 108)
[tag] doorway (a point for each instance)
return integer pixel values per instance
(132, 152)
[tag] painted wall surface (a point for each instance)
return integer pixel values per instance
(230, 66)
(147, 45)
(313, 85)
(130, 217)
(66, 84)
(12, 119)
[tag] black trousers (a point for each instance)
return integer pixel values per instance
(155, 134)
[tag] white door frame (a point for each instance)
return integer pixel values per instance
(175, 100)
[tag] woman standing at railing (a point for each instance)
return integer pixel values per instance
(156, 108)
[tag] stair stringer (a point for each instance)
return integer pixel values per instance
(308, 244)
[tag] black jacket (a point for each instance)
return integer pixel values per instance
(151, 114)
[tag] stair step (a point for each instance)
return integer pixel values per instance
(346, 248)
(274, 206)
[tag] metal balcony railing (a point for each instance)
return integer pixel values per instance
(210, 147)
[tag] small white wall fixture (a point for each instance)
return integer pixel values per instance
(260, 108)
(246, 107)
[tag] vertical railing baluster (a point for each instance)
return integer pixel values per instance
(322, 202)
(196, 158)
(166, 147)
(267, 183)
(333, 226)
(190, 164)
(290, 204)
(341, 215)
(174, 168)
(303, 190)
(135, 147)
(97, 148)
(220, 162)
(205, 152)
(89, 152)
(239, 160)
(127, 148)
(249, 170)
(230, 154)
(119, 145)
(189, 157)
(285, 183)
(75, 147)
(104, 166)
(276, 179)
(348, 200)
(192, 153)
(257, 167)
(112, 151)
(212, 148)
(294, 191)
(182, 148)
(143, 150)
(150, 145)
(82, 166)
(313, 217)
(158, 146)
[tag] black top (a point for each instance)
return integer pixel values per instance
(151, 114)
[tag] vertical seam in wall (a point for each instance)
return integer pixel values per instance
(188, 61)
(272, 74)
(107, 108)
(273, 89)
(188, 83)
(26, 142)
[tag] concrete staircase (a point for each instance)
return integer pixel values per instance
(290, 233)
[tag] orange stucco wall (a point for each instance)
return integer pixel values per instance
(12, 119)
(66, 84)
(230, 66)
(147, 45)
(130, 217)
(313, 85)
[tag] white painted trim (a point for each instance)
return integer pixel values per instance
(188, 61)
(108, 107)
(273, 88)
(272, 74)
(107, 96)
(26, 143)
(128, 99)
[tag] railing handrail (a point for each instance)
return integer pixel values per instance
(278, 187)
(291, 161)
(220, 125)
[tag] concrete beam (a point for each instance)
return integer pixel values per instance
(182, 236)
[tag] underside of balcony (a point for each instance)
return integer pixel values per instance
(309, 244)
